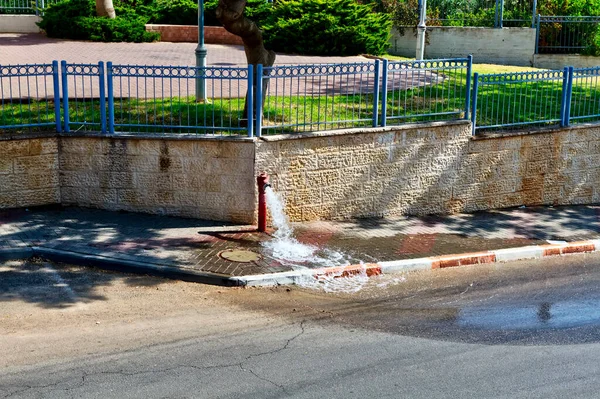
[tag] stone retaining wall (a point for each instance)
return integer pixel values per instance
(29, 172)
(412, 169)
(189, 33)
(428, 169)
(207, 179)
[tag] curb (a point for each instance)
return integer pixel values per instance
(429, 263)
(301, 275)
(130, 266)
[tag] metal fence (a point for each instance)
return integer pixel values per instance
(162, 99)
(35, 7)
(566, 35)
(490, 13)
(29, 97)
(503, 102)
(288, 99)
(284, 99)
(318, 97)
(429, 90)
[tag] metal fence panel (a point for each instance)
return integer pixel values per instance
(304, 98)
(429, 90)
(514, 100)
(84, 98)
(566, 34)
(585, 95)
(29, 99)
(162, 99)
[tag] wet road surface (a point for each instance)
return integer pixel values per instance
(525, 329)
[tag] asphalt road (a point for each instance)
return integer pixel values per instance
(528, 329)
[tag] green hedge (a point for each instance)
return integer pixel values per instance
(77, 20)
(326, 27)
(319, 27)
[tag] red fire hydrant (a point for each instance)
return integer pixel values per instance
(263, 182)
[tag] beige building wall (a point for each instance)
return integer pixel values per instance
(428, 169)
(29, 172)
(208, 179)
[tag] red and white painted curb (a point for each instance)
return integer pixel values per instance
(435, 262)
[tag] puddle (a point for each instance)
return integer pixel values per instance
(545, 315)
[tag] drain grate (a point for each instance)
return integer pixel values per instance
(240, 255)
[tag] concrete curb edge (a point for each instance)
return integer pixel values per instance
(300, 275)
(428, 263)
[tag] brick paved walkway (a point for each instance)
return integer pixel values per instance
(189, 244)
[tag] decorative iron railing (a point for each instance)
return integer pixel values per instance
(109, 98)
(511, 101)
(280, 99)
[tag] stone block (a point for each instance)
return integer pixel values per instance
(323, 178)
(83, 178)
(7, 183)
(232, 149)
(237, 184)
(310, 162)
(14, 148)
(39, 163)
(43, 146)
(81, 145)
(150, 181)
(109, 179)
(74, 196)
(36, 181)
(8, 200)
(6, 166)
(46, 196)
(102, 196)
(373, 156)
(76, 163)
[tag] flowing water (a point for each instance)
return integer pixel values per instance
(290, 252)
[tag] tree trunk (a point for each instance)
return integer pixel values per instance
(105, 8)
(231, 14)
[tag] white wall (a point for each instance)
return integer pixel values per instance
(509, 46)
(19, 24)
(559, 61)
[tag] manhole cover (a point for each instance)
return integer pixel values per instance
(239, 255)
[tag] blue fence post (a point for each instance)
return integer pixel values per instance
(474, 102)
(111, 98)
(65, 93)
(250, 104)
(376, 94)
(258, 105)
(102, 97)
(384, 93)
(537, 34)
(468, 96)
(56, 86)
(570, 73)
(563, 100)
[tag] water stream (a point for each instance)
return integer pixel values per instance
(290, 252)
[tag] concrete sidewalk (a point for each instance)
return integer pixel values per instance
(190, 249)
